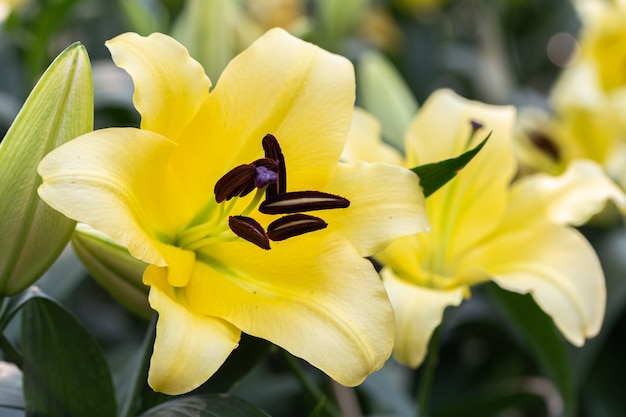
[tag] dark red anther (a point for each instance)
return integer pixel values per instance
(239, 181)
(294, 225)
(299, 201)
(273, 151)
(545, 144)
(249, 229)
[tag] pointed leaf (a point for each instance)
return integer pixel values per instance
(59, 108)
(65, 372)
(436, 175)
(15, 303)
(542, 338)
(212, 405)
(204, 27)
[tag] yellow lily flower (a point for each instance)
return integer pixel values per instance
(484, 229)
(175, 194)
(588, 100)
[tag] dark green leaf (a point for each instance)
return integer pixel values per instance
(317, 411)
(436, 175)
(134, 392)
(542, 339)
(65, 373)
(15, 303)
(248, 354)
(211, 405)
(493, 400)
(11, 386)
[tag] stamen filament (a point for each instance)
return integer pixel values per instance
(260, 192)
(209, 240)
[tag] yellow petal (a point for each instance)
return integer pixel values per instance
(280, 85)
(418, 311)
(386, 202)
(116, 181)
(313, 295)
(189, 348)
(558, 267)
(170, 86)
(472, 204)
(407, 256)
(365, 141)
(571, 198)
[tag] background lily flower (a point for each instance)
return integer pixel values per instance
(485, 229)
(587, 100)
(154, 190)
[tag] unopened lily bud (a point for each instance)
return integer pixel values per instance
(113, 268)
(59, 108)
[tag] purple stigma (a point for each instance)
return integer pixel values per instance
(476, 125)
(264, 177)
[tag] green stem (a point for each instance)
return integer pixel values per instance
(10, 352)
(428, 374)
(309, 386)
(133, 402)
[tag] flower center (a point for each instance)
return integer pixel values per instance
(268, 176)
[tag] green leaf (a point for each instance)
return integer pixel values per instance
(211, 405)
(250, 352)
(15, 303)
(383, 92)
(11, 386)
(206, 30)
(145, 17)
(336, 19)
(505, 398)
(65, 372)
(134, 392)
(436, 175)
(59, 108)
(542, 339)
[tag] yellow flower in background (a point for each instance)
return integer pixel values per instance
(211, 193)
(587, 100)
(485, 229)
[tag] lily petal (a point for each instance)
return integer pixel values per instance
(328, 307)
(274, 87)
(115, 181)
(386, 202)
(170, 86)
(184, 340)
(571, 198)
(365, 141)
(418, 311)
(558, 267)
(441, 130)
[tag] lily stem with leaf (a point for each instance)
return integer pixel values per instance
(428, 375)
(309, 386)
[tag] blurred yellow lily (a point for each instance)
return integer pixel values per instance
(485, 229)
(183, 194)
(587, 100)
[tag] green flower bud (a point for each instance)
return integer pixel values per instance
(60, 107)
